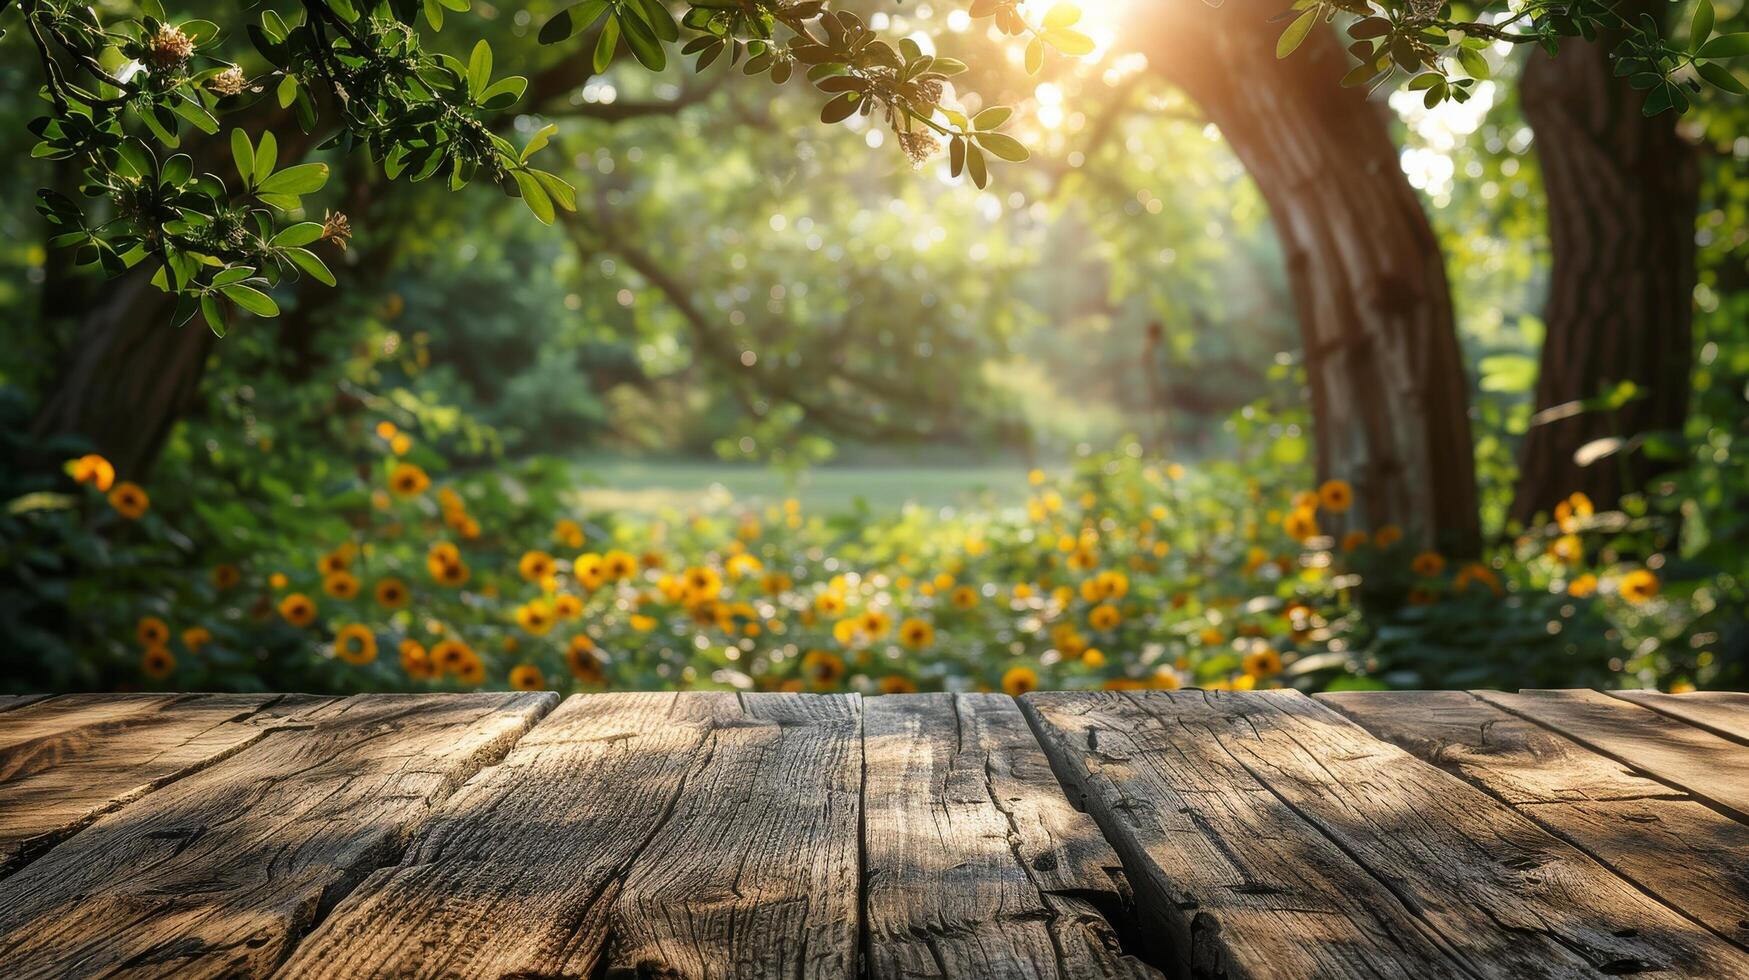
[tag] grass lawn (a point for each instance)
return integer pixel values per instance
(654, 485)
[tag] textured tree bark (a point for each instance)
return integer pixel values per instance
(1388, 391)
(1622, 192)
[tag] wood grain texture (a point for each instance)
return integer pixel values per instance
(218, 873)
(976, 864)
(1241, 884)
(1685, 853)
(1724, 713)
(688, 835)
(67, 761)
(1714, 769)
(1504, 896)
(10, 701)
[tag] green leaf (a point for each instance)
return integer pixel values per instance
(231, 274)
(251, 299)
(1474, 63)
(302, 233)
(1062, 15)
(1071, 42)
(1701, 26)
(1725, 46)
(306, 260)
(503, 93)
(539, 140)
(243, 154)
(563, 194)
(534, 196)
(643, 42)
(266, 155)
(1006, 147)
(214, 315)
(1721, 77)
(975, 166)
(287, 92)
(838, 109)
(301, 179)
(480, 68)
(992, 117)
(1296, 33)
(191, 110)
(566, 23)
(605, 44)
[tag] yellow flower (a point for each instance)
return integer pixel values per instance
(527, 677)
(92, 469)
(822, 669)
(916, 634)
(1093, 658)
(643, 624)
(341, 585)
(1572, 513)
(408, 480)
(1165, 679)
(1035, 477)
(226, 577)
(152, 631)
(567, 606)
(334, 561)
(568, 533)
(585, 665)
(355, 644)
(964, 597)
(401, 445)
(619, 565)
(297, 609)
(1264, 662)
(472, 671)
(874, 623)
(129, 500)
(1019, 680)
(416, 660)
(196, 637)
(451, 655)
(829, 603)
(898, 684)
(278, 580)
(1583, 586)
(1427, 564)
(1476, 572)
(743, 565)
(536, 617)
(157, 663)
(1300, 523)
(1681, 687)
(1638, 586)
(1354, 540)
(1104, 617)
(1567, 549)
(1336, 496)
(701, 583)
(391, 593)
(1386, 536)
(535, 565)
(386, 430)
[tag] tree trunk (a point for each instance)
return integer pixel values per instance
(1388, 390)
(130, 377)
(1622, 191)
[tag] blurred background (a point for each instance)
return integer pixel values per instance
(1244, 379)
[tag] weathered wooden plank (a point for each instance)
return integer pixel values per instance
(1674, 752)
(217, 873)
(976, 864)
(1501, 893)
(1724, 713)
(67, 761)
(10, 701)
(690, 835)
(1685, 853)
(1241, 884)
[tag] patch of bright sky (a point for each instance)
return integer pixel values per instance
(1438, 132)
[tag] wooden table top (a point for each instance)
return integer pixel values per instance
(1076, 834)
